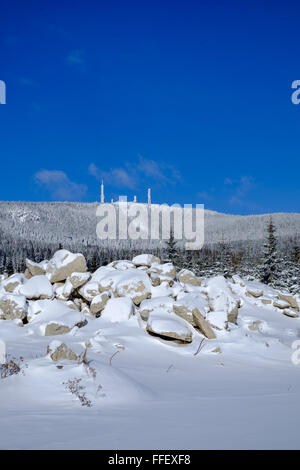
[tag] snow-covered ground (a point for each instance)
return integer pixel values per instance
(152, 380)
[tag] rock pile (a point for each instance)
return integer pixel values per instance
(58, 295)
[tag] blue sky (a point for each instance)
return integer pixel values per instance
(191, 98)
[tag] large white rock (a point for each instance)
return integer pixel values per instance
(169, 325)
(148, 305)
(63, 264)
(189, 305)
(131, 283)
(162, 272)
(13, 283)
(121, 265)
(59, 351)
(79, 279)
(98, 303)
(221, 297)
(185, 276)
(145, 260)
(118, 310)
(89, 290)
(13, 307)
(54, 317)
(36, 269)
(38, 287)
(290, 299)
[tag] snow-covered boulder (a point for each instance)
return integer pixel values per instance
(254, 293)
(131, 283)
(79, 279)
(168, 325)
(218, 320)
(54, 317)
(118, 310)
(290, 313)
(189, 305)
(149, 305)
(12, 283)
(63, 264)
(36, 269)
(85, 309)
(13, 307)
(38, 287)
(89, 290)
(221, 298)
(105, 277)
(59, 351)
(282, 304)
(163, 290)
(121, 265)
(290, 300)
(134, 284)
(203, 325)
(162, 272)
(185, 276)
(3, 277)
(145, 260)
(98, 303)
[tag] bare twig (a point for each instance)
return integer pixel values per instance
(169, 368)
(199, 347)
(110, 360)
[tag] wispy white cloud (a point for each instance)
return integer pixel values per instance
(76, 57)
(117, 177)
(58, 184)
(132, 176)
(204, 195)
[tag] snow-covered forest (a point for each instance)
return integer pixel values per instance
(233, 244)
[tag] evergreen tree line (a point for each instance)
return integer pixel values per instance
(275, 261)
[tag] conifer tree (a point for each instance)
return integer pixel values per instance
(9, 267)
(172, 249)
(270, 268)
(94, 263)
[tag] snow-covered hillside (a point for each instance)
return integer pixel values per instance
(75, 223)
(136, 355)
